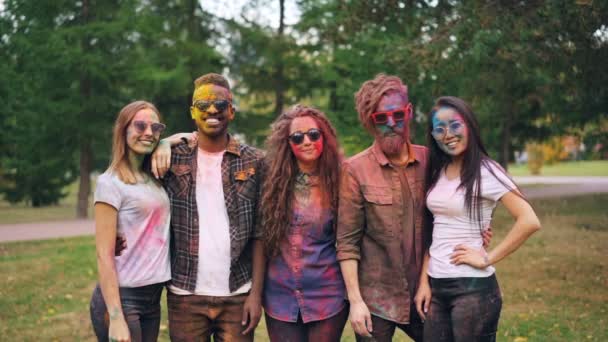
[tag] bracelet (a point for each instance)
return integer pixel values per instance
(486, 261)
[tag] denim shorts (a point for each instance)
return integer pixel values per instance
(140, 306)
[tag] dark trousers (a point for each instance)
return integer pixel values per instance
(197, 318)
(327, 330)
(463, 309)
(140, 306)
(383, 330)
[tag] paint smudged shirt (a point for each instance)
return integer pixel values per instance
(381, 223)
(305, 278)
(242, 170)
(453, 226)
(143, 219)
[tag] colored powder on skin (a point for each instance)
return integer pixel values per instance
(436, 122)
(439, 123)
(317, 145)
(384, 129)
(205, 92)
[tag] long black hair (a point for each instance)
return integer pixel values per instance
(475, 157)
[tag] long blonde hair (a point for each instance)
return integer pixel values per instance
(120, 157)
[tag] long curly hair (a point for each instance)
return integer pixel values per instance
(282, 170)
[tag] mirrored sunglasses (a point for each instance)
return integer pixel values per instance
(298, 137)
(141, 126)
(203, 106)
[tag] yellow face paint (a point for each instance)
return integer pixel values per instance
(211, 92)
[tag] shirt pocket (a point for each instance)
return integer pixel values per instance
(246, 189)
(378, 211)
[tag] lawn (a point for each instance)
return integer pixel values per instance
(570, 168)
(555, 288)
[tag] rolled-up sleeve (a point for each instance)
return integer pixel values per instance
(351, 216)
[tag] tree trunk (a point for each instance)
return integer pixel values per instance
(505, 141)
(279, 76)
(84, 188)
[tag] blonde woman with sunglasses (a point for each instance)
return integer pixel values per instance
(129, 202)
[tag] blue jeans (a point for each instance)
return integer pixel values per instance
(140, 306)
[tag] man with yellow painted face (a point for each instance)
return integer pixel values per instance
(217, 257)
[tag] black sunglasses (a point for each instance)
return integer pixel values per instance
(203, 106)
(298, 137)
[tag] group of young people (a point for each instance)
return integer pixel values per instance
(394, 237)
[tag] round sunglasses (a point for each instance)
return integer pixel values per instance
(141, 126)
(298, 137)
(454, 127)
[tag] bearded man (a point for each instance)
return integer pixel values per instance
(380, 235)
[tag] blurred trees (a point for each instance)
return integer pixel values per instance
(72, 66)
(530, 69)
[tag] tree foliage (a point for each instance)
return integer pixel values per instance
(531, 70)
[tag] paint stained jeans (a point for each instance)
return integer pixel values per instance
(326, 330)
(197, 318)
(140, 306)
(463, 309)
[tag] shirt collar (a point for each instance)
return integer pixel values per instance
(234, 146)
(381, 157)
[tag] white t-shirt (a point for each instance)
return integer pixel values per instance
(143, 219)
(453, 226)
(214, 230)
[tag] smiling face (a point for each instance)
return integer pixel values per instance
(450, 131)
(142, 143)
(308, 152)
(211, 120)
(392, 135)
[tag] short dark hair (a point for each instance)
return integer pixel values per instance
(212, 78)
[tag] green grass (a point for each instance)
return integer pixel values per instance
(571, 168)
(555, 288)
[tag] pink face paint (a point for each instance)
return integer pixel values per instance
(307, 152)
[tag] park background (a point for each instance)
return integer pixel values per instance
(534, 71)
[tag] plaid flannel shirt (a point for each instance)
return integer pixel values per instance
(242, 172)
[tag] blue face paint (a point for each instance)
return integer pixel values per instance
(449, 131)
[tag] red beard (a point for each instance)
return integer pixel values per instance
(392, 145)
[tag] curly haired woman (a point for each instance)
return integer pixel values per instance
(304, 295)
